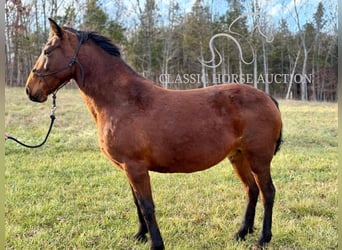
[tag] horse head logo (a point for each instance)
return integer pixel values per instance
(234, 36)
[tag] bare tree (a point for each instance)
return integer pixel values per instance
(169, 47)
(292, 75)
(304, 87)
(146, 16)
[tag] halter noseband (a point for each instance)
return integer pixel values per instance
(81, 38)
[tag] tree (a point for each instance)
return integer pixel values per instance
(170, 48)
(235, 44)
(196, 35)
(302, 35)
(94, 17)
(174, 40)
(319, 24)
(144, 43)
(115, 31)
(18, 42)
(69, 16)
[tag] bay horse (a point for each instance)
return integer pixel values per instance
(143, 127)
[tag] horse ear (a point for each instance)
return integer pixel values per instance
(55, 29)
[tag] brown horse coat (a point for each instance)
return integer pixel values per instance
(187, 131)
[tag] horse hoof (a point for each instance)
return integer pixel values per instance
(240, 236)
(161, 247)
(140, 238)
(264, 239)
(256, 247)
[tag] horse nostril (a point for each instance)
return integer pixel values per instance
(27, 91)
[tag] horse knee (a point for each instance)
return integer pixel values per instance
(147, 209)
(268, 194)
(253, 192)
(272, 191)
(266, 187)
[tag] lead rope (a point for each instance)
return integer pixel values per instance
(52, 119)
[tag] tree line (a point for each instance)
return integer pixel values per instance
(180, 47)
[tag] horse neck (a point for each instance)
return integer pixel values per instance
(109, 81)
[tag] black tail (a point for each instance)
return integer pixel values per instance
(280, 138)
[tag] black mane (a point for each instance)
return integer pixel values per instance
(101, 41)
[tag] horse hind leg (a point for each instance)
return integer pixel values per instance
(267, 189)
(243, 170)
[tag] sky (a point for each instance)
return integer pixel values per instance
(275, 9)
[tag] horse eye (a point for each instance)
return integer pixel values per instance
(46, 52)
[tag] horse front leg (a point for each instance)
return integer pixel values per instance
(142, 231)
(140, 183)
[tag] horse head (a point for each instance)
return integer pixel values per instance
(56, 64)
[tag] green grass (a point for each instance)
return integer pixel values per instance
(66, 195)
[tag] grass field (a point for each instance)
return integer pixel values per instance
(66, 195)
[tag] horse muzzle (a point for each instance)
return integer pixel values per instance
(36, 96)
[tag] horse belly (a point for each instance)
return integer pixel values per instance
(185, 164)
(192, 153)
